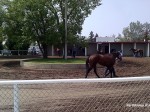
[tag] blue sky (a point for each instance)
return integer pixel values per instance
(113, 15)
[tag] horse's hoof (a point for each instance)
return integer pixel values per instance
(116, 76)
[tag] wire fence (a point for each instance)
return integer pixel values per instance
(18, 52)
(13, 52)
(76, 95)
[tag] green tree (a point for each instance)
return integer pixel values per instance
(120, 38)
(91, 37)
(146, 31)
(1, 29)
(76, 14)
(96, 35)
(136, 31)
(44, 20)
(11, 27)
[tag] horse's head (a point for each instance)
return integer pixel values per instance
(118, 55)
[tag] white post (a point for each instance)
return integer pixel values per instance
(16, 98)
(97, 47)
(66, 35)
(147, 49)
(85, 51)
(134, 45)
(52, 50)
(18, 53)
(109, 47)
(63, 53)
(122, 48)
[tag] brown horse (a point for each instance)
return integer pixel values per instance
(137, 52)
(140, 51)
(107, 60)
(134, 51)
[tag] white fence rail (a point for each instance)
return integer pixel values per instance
(67, 95)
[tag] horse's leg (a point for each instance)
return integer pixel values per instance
(107, 72)
(95, 71)
(138, 54)
(87, 71)
(111, 71)
(142, 54)
(134, 54)
(114, 73)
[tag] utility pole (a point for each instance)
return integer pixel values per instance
(65, 40)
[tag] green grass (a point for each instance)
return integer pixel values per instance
(58, 60)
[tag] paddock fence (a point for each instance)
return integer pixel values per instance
(76, 95)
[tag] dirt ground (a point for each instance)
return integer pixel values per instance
(84, 97)
(130, 66)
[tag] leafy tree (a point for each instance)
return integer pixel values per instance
(76, 14)
(1, 22)
(146, 31)
(136, 31)
(91, 35)
(121, 38)
(44, 20)
(96, 35)
(11, 28)
(1, 39)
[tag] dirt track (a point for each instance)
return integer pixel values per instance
(79, 97)
(130, 66)
(85, 97)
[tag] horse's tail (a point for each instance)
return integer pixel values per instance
(87, 63)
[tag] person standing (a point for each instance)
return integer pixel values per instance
(74, 51)
(33, 51)
(58, 52)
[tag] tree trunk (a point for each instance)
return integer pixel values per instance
(45, 53)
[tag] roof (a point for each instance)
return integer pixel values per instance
(118, 42)
(105, 39)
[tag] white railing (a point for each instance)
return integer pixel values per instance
(123, 79)
(104, 82)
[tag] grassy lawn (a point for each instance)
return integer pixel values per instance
(58, 60)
